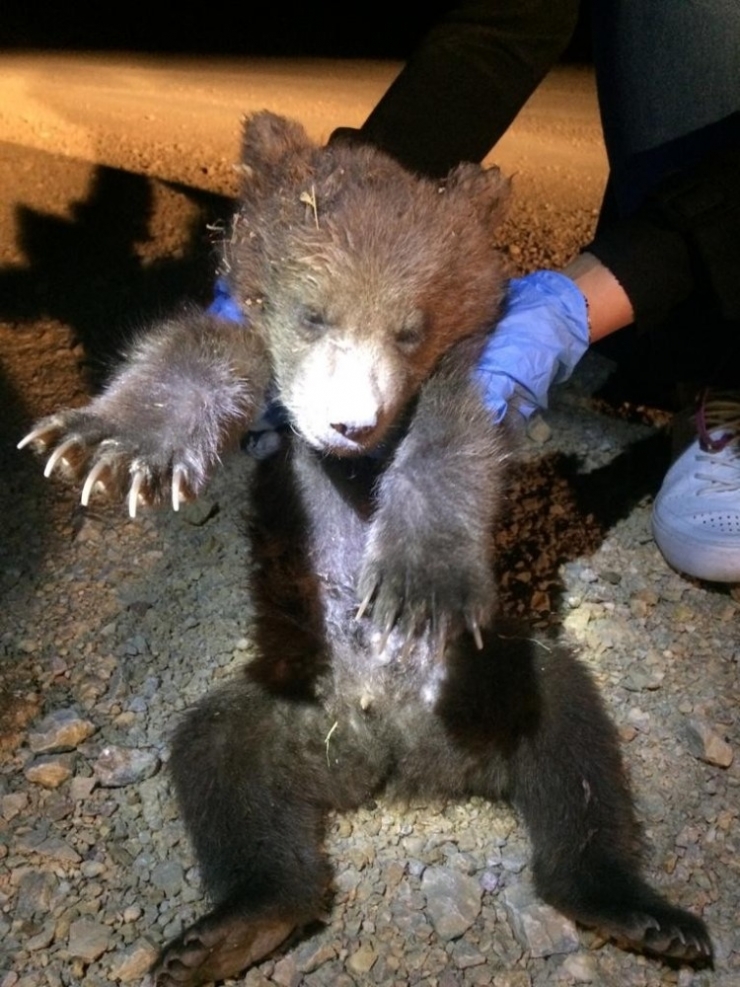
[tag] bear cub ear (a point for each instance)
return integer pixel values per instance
(269, 140)
(485, 188)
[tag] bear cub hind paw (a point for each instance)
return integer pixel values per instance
(661, 930)
(218, 946)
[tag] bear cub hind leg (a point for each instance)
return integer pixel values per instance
(569, 783)
(254, 783)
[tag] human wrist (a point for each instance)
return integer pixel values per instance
(608, 306)
(541, 336)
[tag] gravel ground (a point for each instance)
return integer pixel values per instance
(110, 628)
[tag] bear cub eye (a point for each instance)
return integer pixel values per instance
(313, 321)
(411, 333)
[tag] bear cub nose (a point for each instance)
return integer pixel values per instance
(354, 432)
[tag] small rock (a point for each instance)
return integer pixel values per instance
(120, 855)
(134, 961)
(706, 744)
(49, 770)
(62, 730)
(577, 620)
(88, 940)
(647, 596)
(639, 680)
(35, 894)
(514, 860)
(362, 960)
(639, 608)
(120, 766)
(513, 978)
(580, 968)
(91, 688)
(639, 719)
(199, 512)
(489, 880)
(57, 809)
(168, 876)
(80, 788)
(416, 867)
(689, 836)
(92, 868)
(254, 978)
(464, 955)
(359, 856)
(286, 973)
(673, 593)
(394, 872)
(310, 955)
(42, 939)
(135, 645)
(538, 927)
(453, 900)
(55, 848)
(627, 733)
(347, 880)
(12, 804)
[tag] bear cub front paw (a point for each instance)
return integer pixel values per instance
(135, 462)
(426, 587)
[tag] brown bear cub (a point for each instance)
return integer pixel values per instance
(367, 293)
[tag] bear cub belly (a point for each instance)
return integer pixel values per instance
(381, 664)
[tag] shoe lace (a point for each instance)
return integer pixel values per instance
(720, 410)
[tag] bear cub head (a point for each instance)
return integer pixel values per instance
(358, 275)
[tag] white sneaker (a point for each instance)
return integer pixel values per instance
(696, 514)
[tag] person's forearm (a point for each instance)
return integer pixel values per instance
(467, 80)
(609, 306)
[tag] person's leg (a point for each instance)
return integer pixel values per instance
(668, 78)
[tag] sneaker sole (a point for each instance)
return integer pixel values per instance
(714, 563)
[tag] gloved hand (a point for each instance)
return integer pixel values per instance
(542, 335)
(223, 304)
(262, 439)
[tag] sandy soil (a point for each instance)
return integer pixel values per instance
(178, 119)
(111, 170)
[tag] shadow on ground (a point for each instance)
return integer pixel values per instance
(81, 273)
(98, 268)
(555, 513)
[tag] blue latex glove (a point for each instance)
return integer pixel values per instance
(260, 441)
(542, 335)
(223, 304)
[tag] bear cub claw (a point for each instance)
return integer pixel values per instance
(83, 444)
(432, 601)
